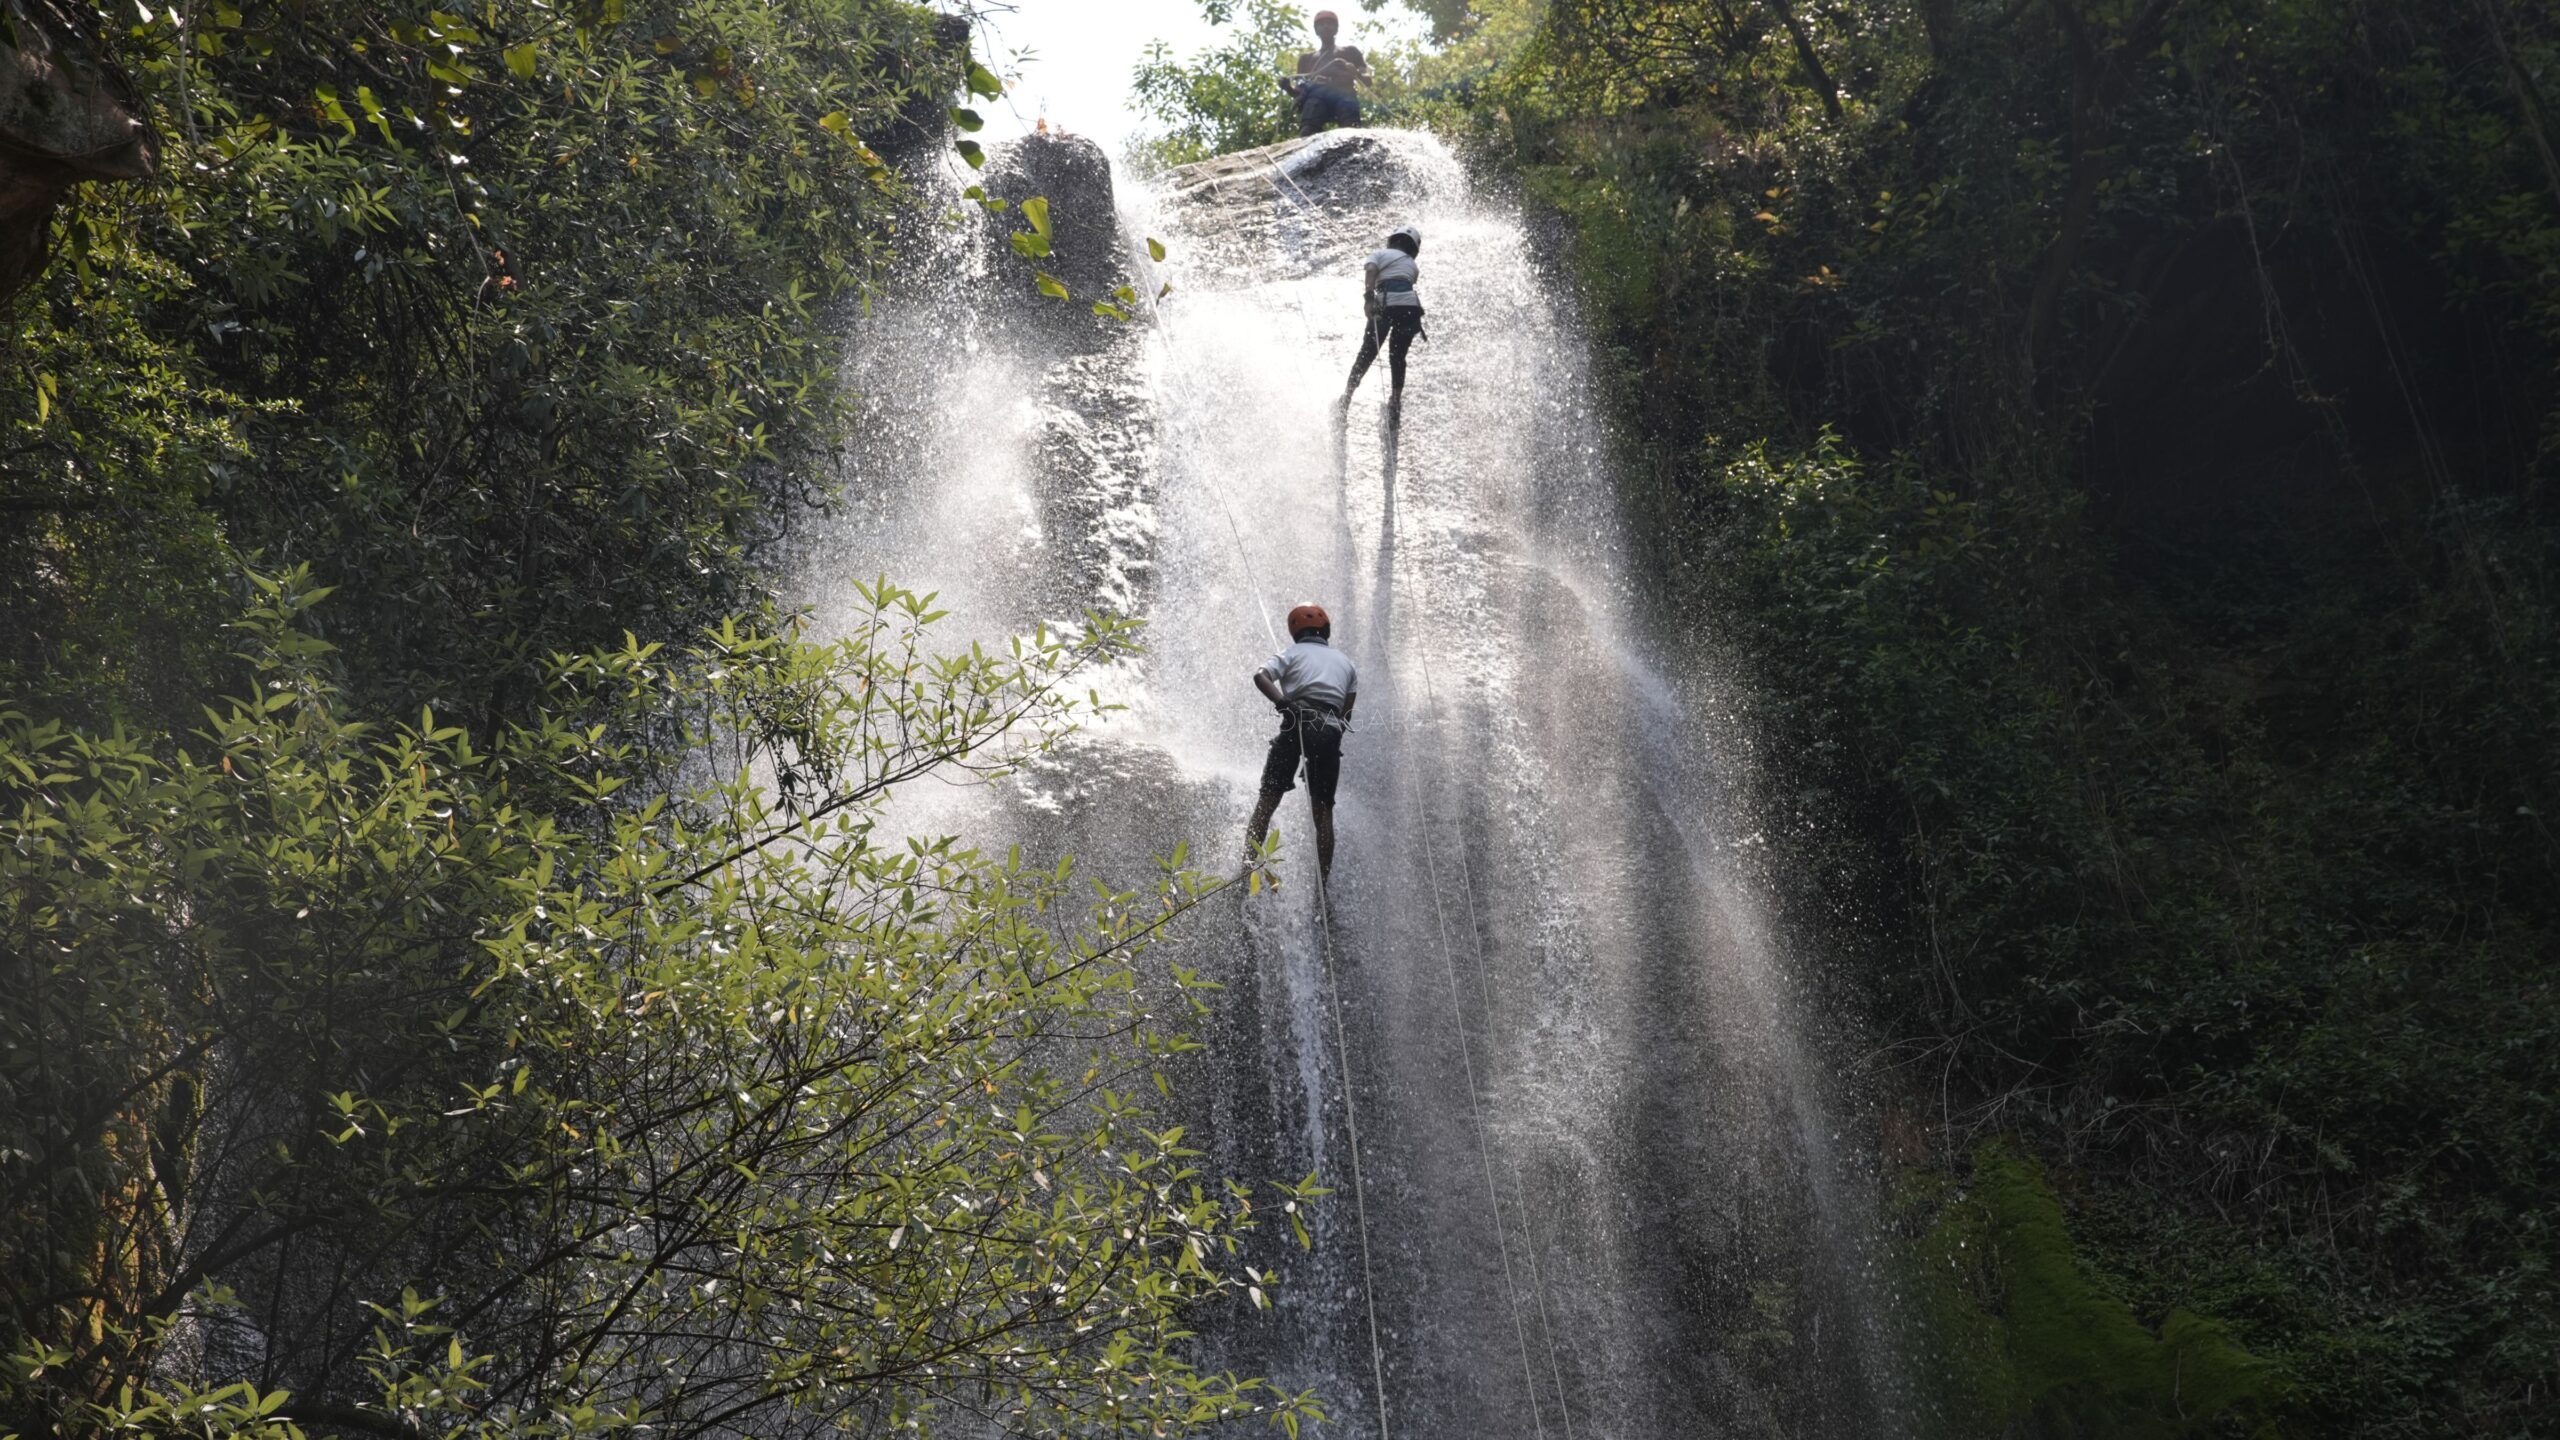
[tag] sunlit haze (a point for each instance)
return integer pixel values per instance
(1076, 56)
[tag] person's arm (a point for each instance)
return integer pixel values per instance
(1270, 689)
(1348, 702)
(1359, 64)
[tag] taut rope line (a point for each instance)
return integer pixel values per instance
(1475, 1110)
(1457, 1014)
(1333, 990)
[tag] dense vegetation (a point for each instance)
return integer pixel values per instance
(2118, 435)
(2115, 435)
(448, 983)
(2142, 410)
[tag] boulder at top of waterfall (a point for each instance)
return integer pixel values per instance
(1318, 204)
(1339, 167)
(1074, 176)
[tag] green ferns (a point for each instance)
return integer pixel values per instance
(2018, 1331)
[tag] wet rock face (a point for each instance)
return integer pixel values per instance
(1076, 177)
(1354, 168)
(65, 116)
(1086, 253)
(1318, 199)
(973, 380)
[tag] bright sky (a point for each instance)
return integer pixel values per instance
(1085, 50)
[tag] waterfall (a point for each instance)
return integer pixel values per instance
(1601, 1148)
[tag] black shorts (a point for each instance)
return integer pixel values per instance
(1322, 105)
(1394, 319)
(1315, 734)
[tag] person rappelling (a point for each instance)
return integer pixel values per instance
(1393, 308)
(1327, 85)
(1313, 686)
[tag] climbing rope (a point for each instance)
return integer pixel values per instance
(1484, 1151)
(1528, 1217)
(1333, 997)
(1457, 1017)
(1333, 989)
(1286, 188)
(1351, 1129)
(1475, 1109)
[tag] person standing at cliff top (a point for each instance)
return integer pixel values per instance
(1328, 80)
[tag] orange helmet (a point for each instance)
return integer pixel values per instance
(1309, 616)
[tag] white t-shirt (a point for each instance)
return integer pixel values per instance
(1385, 265)
(1314, 671)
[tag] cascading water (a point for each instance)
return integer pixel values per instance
(1599, 1192)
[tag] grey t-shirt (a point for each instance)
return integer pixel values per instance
(1385, 264)
(1314, 671)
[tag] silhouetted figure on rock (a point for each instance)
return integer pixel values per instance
(1329, 77)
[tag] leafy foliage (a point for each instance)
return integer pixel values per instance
(505, 317)
(574, 1052)
(1225, 98)
(2020, 1333)
(2115, 435)
(718, 1109)
(1228, 97)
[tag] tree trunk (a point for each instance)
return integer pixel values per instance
(1938, 18)
(2099, 78)
(66, 116)
(1805, 54)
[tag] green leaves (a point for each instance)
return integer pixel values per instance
(1223, 99)
(410, 303)
(1033, 244)
(501, 921)
(734, 1003)
(326, 97)
(502, 314)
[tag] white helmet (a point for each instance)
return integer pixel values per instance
(1409, 233)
